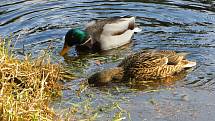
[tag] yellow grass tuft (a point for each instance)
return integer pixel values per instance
(27, 86)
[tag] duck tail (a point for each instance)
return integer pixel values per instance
(137, 29)
(189, 64)
(106, 76)
(132, 25)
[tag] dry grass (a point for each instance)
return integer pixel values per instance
(27, 86)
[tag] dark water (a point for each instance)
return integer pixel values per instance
(182, 25)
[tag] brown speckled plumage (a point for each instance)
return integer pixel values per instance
(150, 65)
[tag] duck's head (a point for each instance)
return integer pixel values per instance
(106, 76)
(74, 37)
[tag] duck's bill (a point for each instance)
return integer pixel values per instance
(64, 50)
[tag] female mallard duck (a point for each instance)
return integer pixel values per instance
(101, 34)
(143, 66)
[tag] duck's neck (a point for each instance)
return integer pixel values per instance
(107, 76)
(116, 73)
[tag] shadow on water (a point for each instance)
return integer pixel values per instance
(182, 25)
(156, 84)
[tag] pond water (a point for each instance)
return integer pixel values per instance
(182, 25)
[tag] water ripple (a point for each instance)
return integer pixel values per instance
(185, 25)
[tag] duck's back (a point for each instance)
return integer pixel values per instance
(152, 65)
(111, 33)
(142, 65)
(95, 28)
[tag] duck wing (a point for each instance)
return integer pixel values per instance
(119, 26)
(95, 28)
(151, 60)
(144, 60)
(109, 27)
(173, 57)
(165, 52)
(170, 52)
(168, 70)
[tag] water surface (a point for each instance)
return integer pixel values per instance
(182, 25)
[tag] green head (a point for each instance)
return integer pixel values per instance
(74, 37)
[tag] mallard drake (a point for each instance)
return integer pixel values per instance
(101, 34)
(144, 66)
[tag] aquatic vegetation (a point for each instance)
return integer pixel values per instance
(27, 86)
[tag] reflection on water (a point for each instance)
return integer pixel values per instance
(155, 84)
(182, 25)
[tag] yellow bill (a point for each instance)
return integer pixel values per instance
(64, 50)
